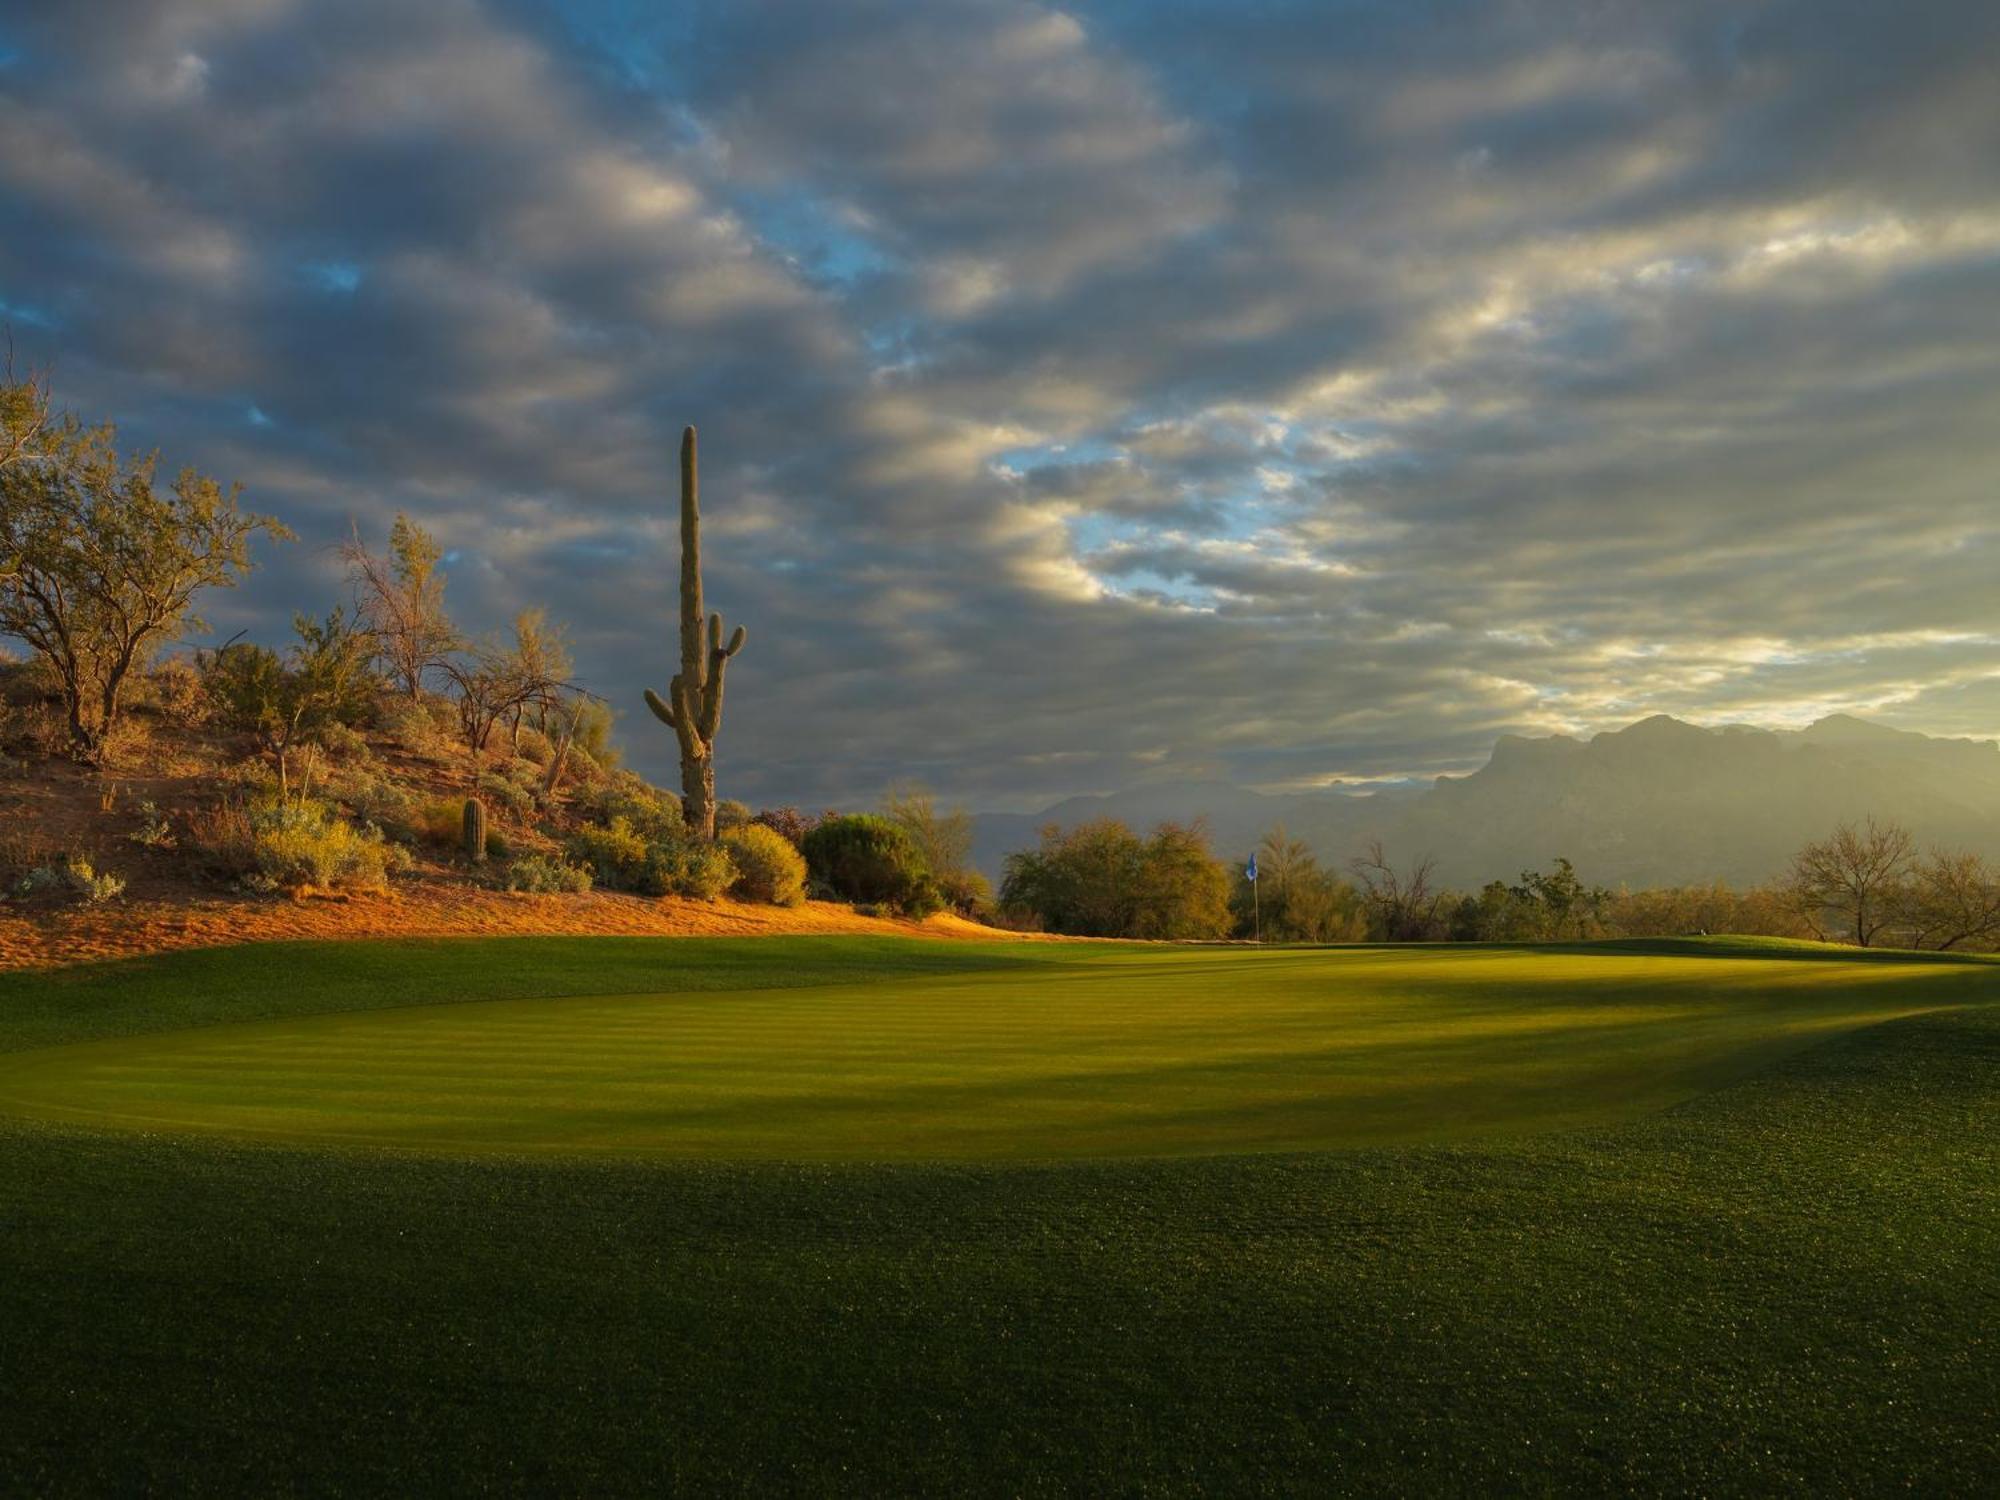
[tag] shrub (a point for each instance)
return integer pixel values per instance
(650, 812)
(322, 683)
(24, 848)
(789, 821)
(275, 846)
(543, 873)
(922, 899)
(615, 855)
(682, 867)
(501, 792)
(242, 682)
(532, 744)
(967, 893)
(73, 875)
(378, 800)
(222, 841)
(581, 769)
(173, 689)
(155, 832)
(623, 859)
(29, 683)
(523, 773)
(41, 880)
(308, 844)
(344, 742)
(768, 868)
(413, 725)
(92, 886)
(440, 821)
(869, 859)
(35, 730)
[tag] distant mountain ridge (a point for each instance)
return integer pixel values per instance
(1660, 802)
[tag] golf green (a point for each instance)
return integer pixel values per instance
(821, 1216)
(1091, 1052)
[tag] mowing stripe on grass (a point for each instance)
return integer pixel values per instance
(1107, 1052)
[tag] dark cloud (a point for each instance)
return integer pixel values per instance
(1277, 392)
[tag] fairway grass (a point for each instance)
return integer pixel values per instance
(1678, 1218)
(1106, 1051)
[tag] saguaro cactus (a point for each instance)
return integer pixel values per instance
(693, 705)
(473, 826)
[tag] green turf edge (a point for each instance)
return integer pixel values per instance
(272, 981)
(269, 981)
(201, 988)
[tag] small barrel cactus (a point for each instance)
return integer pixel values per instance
(475, 830)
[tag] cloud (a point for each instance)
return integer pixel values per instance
(1277, 392)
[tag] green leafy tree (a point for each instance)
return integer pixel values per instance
(102, 565)
(1100, 879)
(1082, 881)
(1491, 916)
(326, 680)
(1556, 905)
(1183, 890)
(1295, 900)
(864, 858)
(26, 416)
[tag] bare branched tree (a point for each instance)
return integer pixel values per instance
(488, 688)
(541, 663)
(1952, 898)
(1402, 905)
(1854, 878)
(399, 597)
(944, 839)
(524, 679)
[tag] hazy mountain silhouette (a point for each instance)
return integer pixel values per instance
(1660, 802)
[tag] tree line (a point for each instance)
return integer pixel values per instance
(1864, 884)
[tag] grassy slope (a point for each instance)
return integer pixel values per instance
(1789, 1282)
(1101, 1052)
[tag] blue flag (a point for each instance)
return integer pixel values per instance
(1250, 870)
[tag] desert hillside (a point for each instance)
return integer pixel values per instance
(190, 834)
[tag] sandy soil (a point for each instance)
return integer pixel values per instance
(420, 908)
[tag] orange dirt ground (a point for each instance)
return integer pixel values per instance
(421, 909)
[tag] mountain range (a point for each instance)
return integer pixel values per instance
(1661, 802)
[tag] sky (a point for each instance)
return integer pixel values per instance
(1286, 394)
